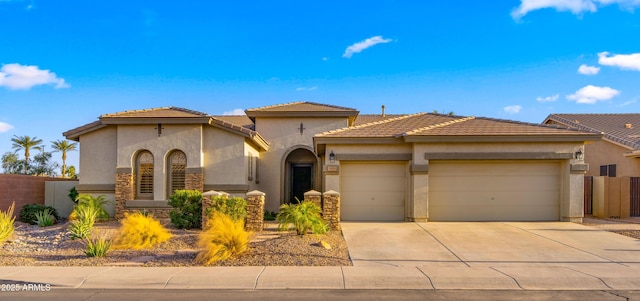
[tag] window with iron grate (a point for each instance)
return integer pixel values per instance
(144, 167)
(177, 170)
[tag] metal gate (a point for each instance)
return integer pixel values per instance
(588, 195)
(634, 199)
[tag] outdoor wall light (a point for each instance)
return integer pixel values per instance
(580, 155)
(332, 157)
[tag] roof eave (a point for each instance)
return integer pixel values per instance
(236, 129)
(74, 134)
(504, 138)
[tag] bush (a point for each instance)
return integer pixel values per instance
(73, 194)
(28, 213)
(224, 239)
(97, 247)
(140, 232)
(81, 226)
(234, 207)
(6, 223)
(188, 209)
(269, 215)
(44, 218)
(301, 217)
(96, 203)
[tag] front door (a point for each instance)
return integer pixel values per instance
(301, 181)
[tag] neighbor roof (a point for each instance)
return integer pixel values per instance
(436, 127)
(621, 128)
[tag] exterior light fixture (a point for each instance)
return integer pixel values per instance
(332, 157)
(580, 155)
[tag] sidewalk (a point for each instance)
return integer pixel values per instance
(583, 276)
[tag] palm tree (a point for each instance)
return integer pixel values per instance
(63, 146)
(26, 143)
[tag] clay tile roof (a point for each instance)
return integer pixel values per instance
(620, 128)
(240, 120)
(482, 126)
(302, 106)
(391, 127)
(163, 112)
(369, 118)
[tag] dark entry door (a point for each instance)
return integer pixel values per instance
(301, 181)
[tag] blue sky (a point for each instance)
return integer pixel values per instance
(64, 63)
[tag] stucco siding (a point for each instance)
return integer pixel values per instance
(605, 153)
(224, 157)
(98, 156)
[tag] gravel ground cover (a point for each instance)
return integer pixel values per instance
(627, 227)
(51, 246)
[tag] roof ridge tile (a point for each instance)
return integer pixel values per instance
(443, 124)
(274, 106)
(116, 114)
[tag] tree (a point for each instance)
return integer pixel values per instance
(71, 172)
(11, 164)
(451, 113)
(64, 146)
(25, 143)
(42, 166)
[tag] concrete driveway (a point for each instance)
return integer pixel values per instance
(486, 244)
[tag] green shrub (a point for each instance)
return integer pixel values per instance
(81, 226)
(96, 203)
(44, 218)
(139, 231)
(98, 247)
(225, 238)
(234, 207)
(6, 223)
(73, 194)
(28, 213)
(187, 212)
(301, 217)
(269, 215)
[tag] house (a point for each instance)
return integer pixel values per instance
(413, 167)
(613, 182)
(618, 153)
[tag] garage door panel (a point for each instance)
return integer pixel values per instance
(494, 190)
(373, 191)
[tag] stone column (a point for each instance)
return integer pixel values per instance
(331, 209)
(255, 211)
(313, 196)
(194, 179)
(207, 202)
(124, 190)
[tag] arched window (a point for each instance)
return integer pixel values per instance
(144, 176)
(177, 166)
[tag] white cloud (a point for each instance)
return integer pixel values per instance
(306, 89)
(5, 127)
(513, 109)
(576, 7)
(551, 98)
(591, 94)
(588, 70)
(630, 102)
(362, 45)
(624, 61)
(234, 112)
(16, 76)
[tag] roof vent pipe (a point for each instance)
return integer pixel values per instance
(382, 110)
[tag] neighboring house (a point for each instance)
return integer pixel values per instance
(414, 167)
(618, 153)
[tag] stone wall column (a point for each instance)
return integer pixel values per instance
(331, 209)
(124, 190)
(207, 202)
(194, 179)
(313, 196)
(255, 211)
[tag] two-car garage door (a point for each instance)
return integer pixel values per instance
(498, 190)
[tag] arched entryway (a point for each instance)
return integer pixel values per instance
(300, 174)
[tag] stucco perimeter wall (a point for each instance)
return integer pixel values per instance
(134, 138)
(23, 189)
(283, 135)
(604, 152)
(98, 156)
(225, 160)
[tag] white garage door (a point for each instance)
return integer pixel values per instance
(372, 191)
(494, 191)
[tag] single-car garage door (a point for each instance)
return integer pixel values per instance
(494, 190)
(372, 191)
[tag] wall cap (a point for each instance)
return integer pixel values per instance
(331, 192)
(255, 193)
(312, 193)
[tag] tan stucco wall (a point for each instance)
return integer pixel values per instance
(134, 138)
(98, 156)
(604, 152)
(284, 136)
(224, 157)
